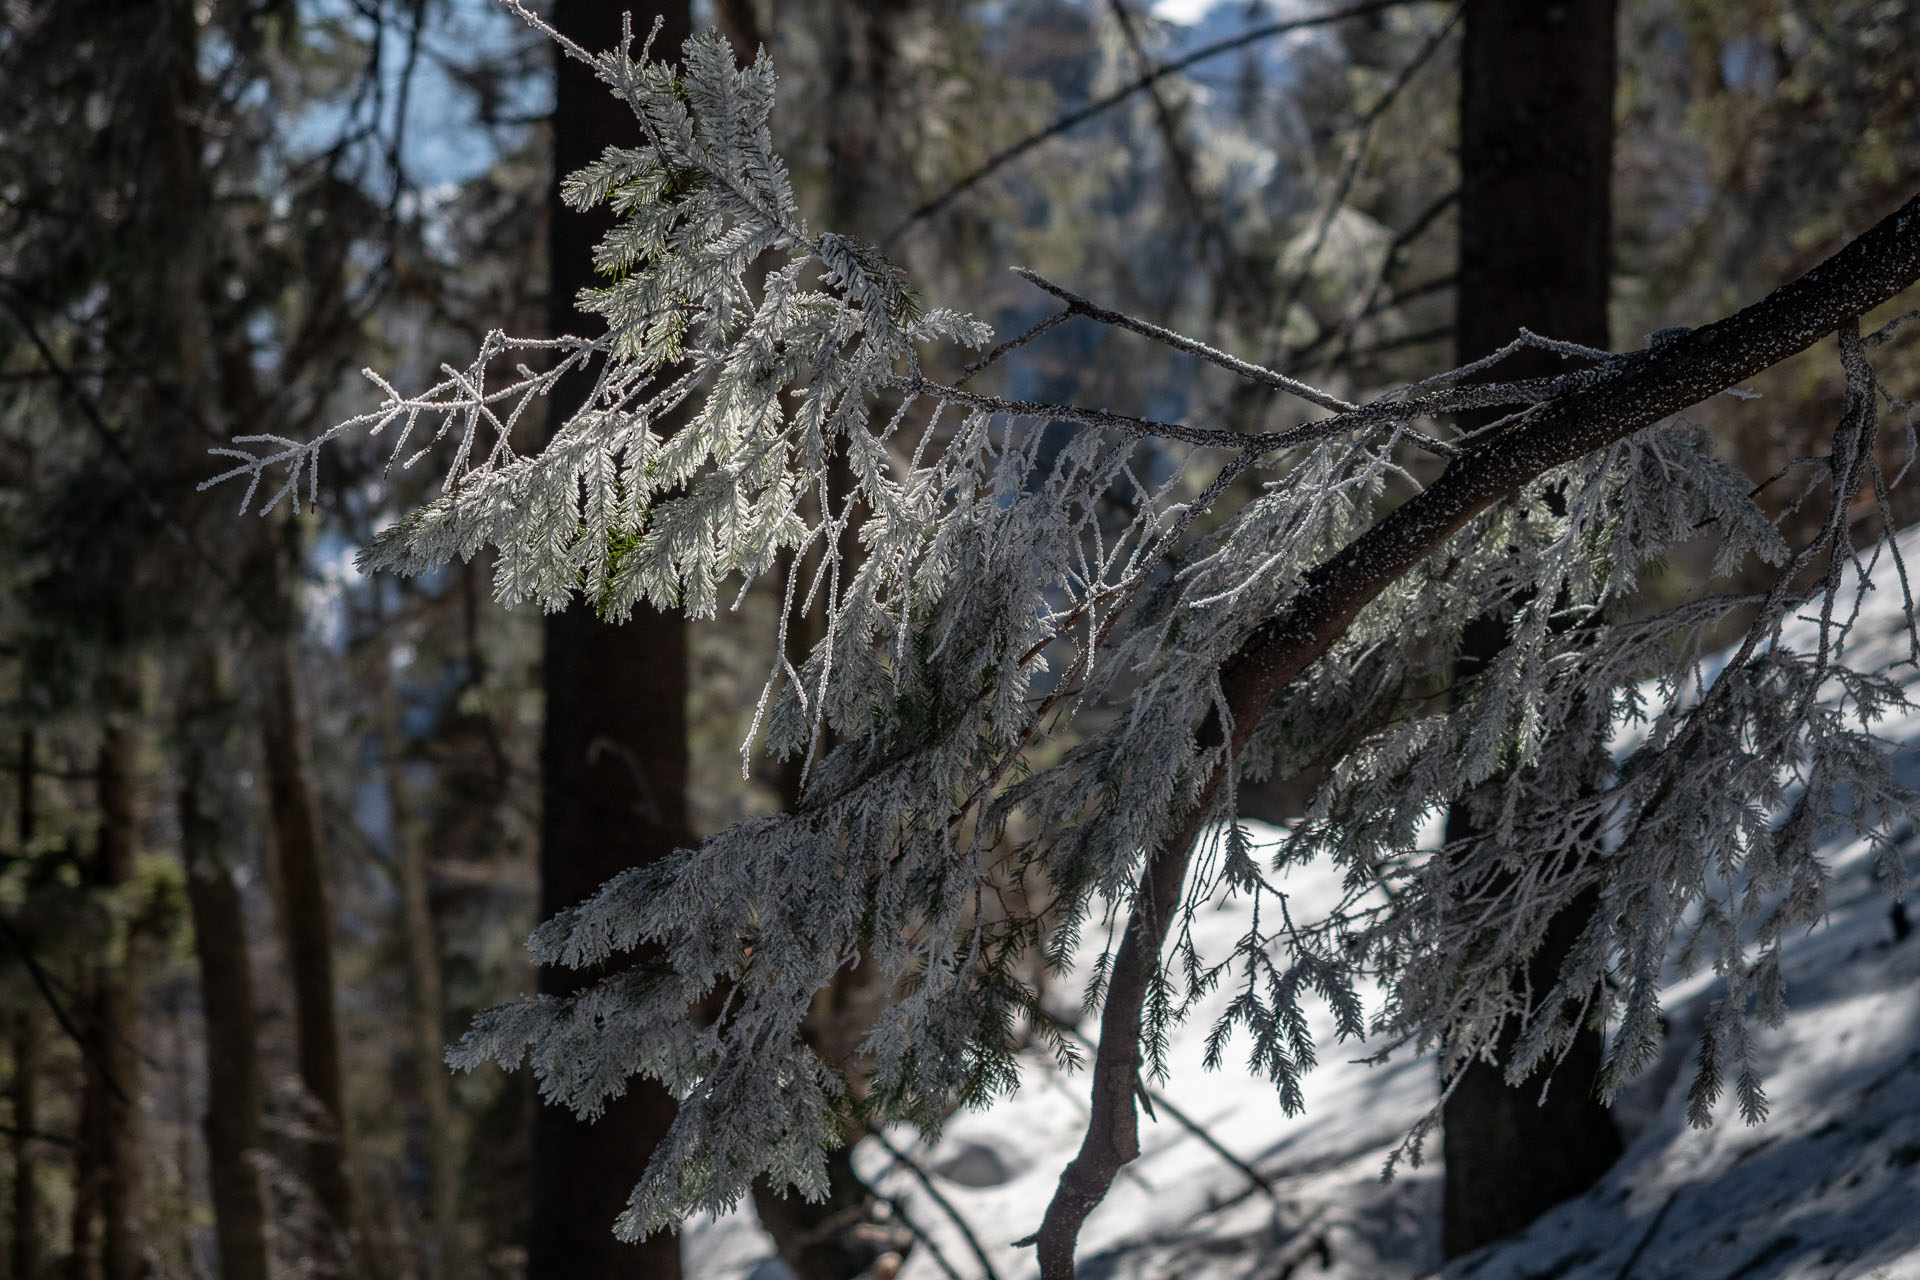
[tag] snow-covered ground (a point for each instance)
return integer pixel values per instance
(1827, 1187)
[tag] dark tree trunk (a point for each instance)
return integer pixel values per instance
(1536, 147)
(107, 1226)
(23, 1091)
(1536, 162)
(614, 751)
(446, 1252)
(83, 1251)
(231, 1126)
(306, 928)
(122, 1232)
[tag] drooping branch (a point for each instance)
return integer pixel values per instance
(1612, 402)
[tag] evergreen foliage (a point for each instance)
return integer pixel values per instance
(1011, 580)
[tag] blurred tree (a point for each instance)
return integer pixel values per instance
(198, 200)
(236, 1144)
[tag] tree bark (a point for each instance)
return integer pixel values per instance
(83, 1219)
(306, 928)
(122, 1235)
(1587, 414)
(1536, 165)
(23, 1091)
(447, 1257)
(613, 757)
(232, 1124)
(108, 1235)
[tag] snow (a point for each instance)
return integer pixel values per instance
(1828, 1186)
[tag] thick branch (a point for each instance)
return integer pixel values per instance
(1590, 414)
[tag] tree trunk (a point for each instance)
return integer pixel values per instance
(613, 756)
(23, 1091)
(446, 1259)
(107, 1227)
(1536, 146)
(122, 1234)
(306, 929)
(83, 1252)
(232, 1124)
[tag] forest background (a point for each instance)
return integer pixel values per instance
(275, 830)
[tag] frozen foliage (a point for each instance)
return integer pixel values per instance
(1013, 580)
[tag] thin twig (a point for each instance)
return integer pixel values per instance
(118, 451)
(1368, 304)
(1205, 213)
(1011, 344)
(919, 1233)
(1887, 330)
(1356, 152)
(1065, 122)
(926, 1181)
(1163, 1103)
(41, 980)
(1180, 342)
(1646, 1237)
(36, 1135)
(1436, 334)
(1390, 410)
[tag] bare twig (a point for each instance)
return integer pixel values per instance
(1385, 412)
(1368, 304)
(1886, 331)
(1163, 1103)
(1240, 286)
(1012, 344)
(117, 449)
(36, 1135)
(1356, 152)
(1179, 342)
(919, 1233)
(43, 982)
(1646, 1237)
(1006, 155)
(912, 1166)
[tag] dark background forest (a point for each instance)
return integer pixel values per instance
(274, 830)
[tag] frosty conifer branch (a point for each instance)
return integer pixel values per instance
(1625, 397)
(1009, 583)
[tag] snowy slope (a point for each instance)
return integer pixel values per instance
(1829, 1186)
(1181, 1208)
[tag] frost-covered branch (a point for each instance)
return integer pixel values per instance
(1631, 395)
(1178, 608)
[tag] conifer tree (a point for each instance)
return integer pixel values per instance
(1301, 633)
